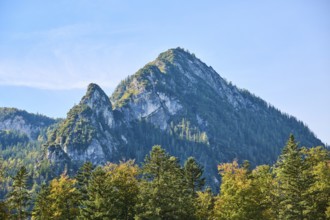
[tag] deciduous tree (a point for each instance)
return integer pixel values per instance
(63, 198)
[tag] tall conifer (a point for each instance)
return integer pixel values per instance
(294, 178)
(19, 196)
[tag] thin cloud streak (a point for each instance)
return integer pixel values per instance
(76, 31)
(59, 61)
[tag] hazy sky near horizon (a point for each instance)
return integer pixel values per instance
(279, 50)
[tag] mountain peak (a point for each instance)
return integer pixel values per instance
(95, 96)
(92, 88)
(173, 70)
(176, 55)
(186, 63)
(76, 138)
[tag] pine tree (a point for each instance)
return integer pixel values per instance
(193, 174)
(41, 210)
(295, 180)
(19, 196)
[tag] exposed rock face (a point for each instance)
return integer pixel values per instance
(56, 154)
(23, 122)
(153, 106)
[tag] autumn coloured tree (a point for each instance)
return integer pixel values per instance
(122, 178)
(318, 160)
(204, 205)
(239, 196)
(63, 198)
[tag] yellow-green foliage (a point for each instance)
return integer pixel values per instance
(126, 97)
(204, 205)
(238, 197)
(187, 131)
(63, 198)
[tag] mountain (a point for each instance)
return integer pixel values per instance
(86, 132)
(20, 121)
(179, 102)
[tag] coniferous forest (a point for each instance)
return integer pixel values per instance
(295, 187)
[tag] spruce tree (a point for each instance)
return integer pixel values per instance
(294, 178)
(19, 197)
(193, 173)
(96, 206)
(163, 192)
(83, 176)
(41, 210)
(112, 192)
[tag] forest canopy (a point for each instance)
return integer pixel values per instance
(295, 187)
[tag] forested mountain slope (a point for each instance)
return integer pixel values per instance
(13, 119)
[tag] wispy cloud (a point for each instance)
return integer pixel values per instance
(68, 57)
(63, 32)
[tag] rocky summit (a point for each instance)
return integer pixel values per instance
(180, 103)
(85, 135)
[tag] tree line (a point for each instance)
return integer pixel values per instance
(295, 187)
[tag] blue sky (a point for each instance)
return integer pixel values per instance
(279, 50)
